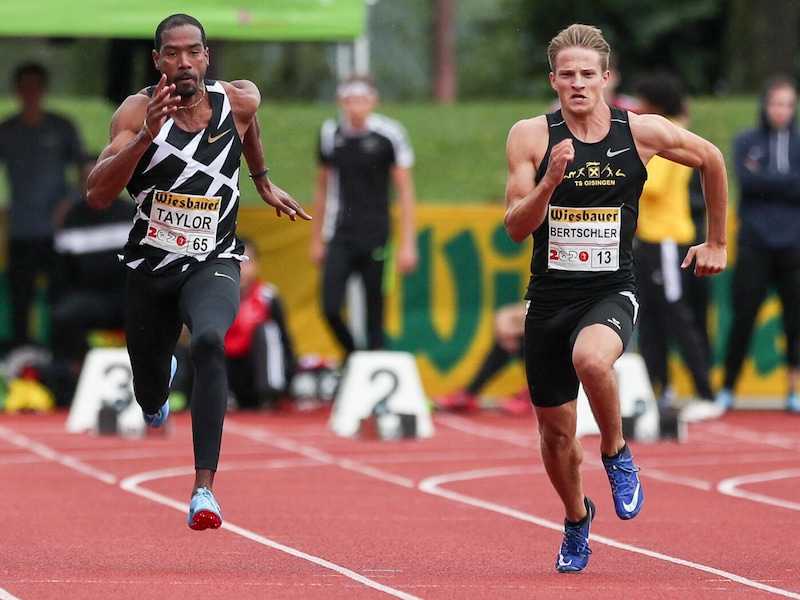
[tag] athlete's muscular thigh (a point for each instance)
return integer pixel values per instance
(548, 360)
(210, 296)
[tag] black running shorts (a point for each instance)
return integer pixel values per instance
(550, 336)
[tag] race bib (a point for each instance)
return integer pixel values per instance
(584, 239)
(182, 223)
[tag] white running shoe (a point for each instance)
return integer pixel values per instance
(701, 410)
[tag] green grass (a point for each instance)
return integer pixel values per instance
(460, 149)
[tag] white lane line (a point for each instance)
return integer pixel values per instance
(716, 459)
(692, 482)
(730, 487)
(47, 453)
(132, 484)
(516, 438)
(757, 438)
(259, 435)
(432, 485)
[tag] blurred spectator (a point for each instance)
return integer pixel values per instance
(767, 167)
(88, 281)
(509, 327)
(37, 147)
(665, 232)
(698, 289)
(258, 348)
(360, 155)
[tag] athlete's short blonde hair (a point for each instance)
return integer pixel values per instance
(579, 36)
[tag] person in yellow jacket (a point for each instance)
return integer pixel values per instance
(665, 232)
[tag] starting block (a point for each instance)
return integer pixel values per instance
(637, 403)
(105, 387)
(381, 396)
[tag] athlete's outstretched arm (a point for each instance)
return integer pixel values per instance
(656, 135)
(253, 152)
(134, 125)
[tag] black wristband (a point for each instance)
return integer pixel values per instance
(259, 174)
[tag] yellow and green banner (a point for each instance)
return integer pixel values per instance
(443, 313)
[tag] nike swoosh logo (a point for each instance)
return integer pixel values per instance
(214, 138)
(629, 506)
(609, 153)
(218, 274)
(562, 562)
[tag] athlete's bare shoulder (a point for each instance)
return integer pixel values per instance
(653, 134)
(244, 97)
(242, 90)
(528, 139)
(536, 124)
(131, 113)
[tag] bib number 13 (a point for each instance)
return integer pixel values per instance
(605, 257)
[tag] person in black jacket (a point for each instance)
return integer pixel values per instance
(88, 281)
(39, 150)
(767, 166)
(362, 156)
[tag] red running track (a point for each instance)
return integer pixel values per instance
(468, 513)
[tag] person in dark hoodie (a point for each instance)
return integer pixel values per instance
(767, 166)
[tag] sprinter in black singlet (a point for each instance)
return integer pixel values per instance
(177, 147)
(574, 180)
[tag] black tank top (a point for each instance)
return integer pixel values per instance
(584, 247)
(191, 181)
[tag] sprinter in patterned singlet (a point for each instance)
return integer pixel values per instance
(177, 147)
(574, 180)
(190, 217)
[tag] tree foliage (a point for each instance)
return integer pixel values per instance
(714, 46)
(682, 36)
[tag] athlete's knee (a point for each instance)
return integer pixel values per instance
(206, 344)
(591, 364)
(595, 352)
(557, 440)
(557, 427)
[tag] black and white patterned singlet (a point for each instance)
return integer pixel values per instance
(186, 188)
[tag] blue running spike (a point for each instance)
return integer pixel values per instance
(574, 554)
(625, 486)
(157, 420)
